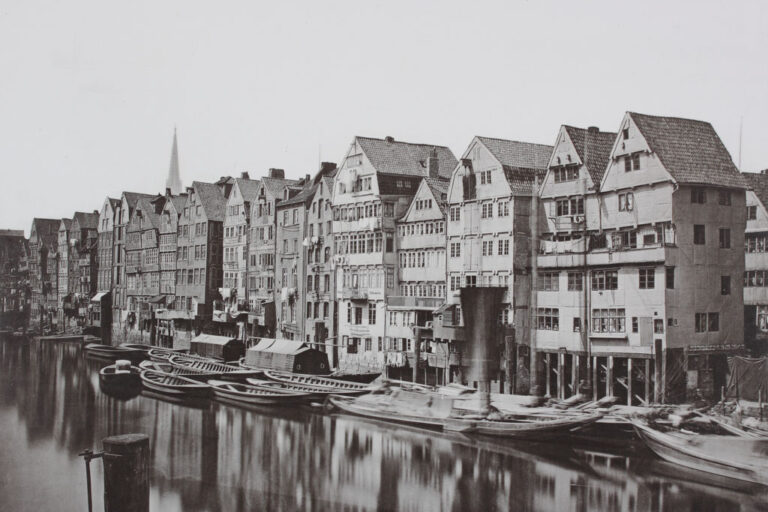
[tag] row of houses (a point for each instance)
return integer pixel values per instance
(619, 253)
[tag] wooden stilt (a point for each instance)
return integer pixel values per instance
(647, 380)
(609, 377)
(547, 373)
(594, 378)
(574, 374)
(629, 381)
(561, 376)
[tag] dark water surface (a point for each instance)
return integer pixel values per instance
(216, 457)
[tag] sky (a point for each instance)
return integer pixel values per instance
(90, 91)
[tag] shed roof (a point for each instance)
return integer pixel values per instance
(212, 339)
(690, 150)
(405, 158)
(279, 346)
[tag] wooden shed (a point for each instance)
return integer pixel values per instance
(287, 355)
(223, 347)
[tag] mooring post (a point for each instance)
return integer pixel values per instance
(126, 479)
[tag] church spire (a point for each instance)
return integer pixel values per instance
(173, 181)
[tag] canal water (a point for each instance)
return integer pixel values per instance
(212, 457)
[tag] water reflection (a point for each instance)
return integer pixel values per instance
(223, 458)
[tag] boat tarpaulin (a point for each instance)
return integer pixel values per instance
(748, 377)
(287, 355)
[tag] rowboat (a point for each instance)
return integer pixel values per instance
(314, 391)
(162, 354)
(202, 364)
(732, 457)
(363, 378)
(174, 385)
(175, 370)
(372, 411)
(137, 346)
(533, 427)
(111, 353)
(245, 394)
(120, 376)
(322, 383)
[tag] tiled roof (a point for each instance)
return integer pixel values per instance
(758, 182)
(148, 210)
(439, 188)
(406, 158)
(47, 230)
(275, 186)
(249, 189)
(598, 150)
(213, 200)
(179, 201)
(519, 160)
(306, 194)
(691, 151)
(114, 203)
(133, 197)
(67, 224)
(87, 220)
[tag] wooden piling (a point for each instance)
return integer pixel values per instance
(126, 477)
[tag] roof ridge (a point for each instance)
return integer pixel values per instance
(395, 141)
(515, 141)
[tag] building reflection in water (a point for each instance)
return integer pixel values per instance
(218, 457)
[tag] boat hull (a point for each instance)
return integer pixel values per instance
(174, 386)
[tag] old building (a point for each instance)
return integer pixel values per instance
(43, 240)
(662, 286)
(199, 255)
(231, 312)
(489, 244)
(262, 281)
(321, 307)
(122, 215)
(373, 187)
(105, 244)
(291, 248)
(421, 286)
(14, 279)
(65, 305)
(756, 264)
(83, 262)
(165, 310)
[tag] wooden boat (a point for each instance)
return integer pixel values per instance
(119, 376)
(352, 406)
(363, 378)
(203, 364)
(175, 370)
(137, 346)
(319, 382)
(61, 338)
(732, 457)
(245, 394)
(315, 391)
(174, 385)
(162, 354)
(533, 427)
(111, 353)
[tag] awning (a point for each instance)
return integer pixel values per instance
(157, 299)
(99, 296)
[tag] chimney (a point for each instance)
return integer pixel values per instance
(433, 164)
(244, 175)
(277, 173)
(327, 166)
(593, 129)
(306, 178)
(389, 139)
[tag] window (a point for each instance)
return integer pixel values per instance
(575, 281)
(658, 326)
(486, 211)
(548, 281)
(713, 322)
(576, 324)
(634, 324)
(632, 162)
(701, 322)
(626, 202)
(503, 208)
(605, 279)
(608, 320)
(725, 285)
(368, 343)
(751, 212)
(569, 173)
(455, 282)
(724, 197)
(455, 249)
(371, 314)
(625, 133)
(647, 278)
(503, 247)
(455, 213)
(487, 247)
(670, 277)
(725, 238)
(471, 281)
(547, 319)
(699, 237)
(698, 195)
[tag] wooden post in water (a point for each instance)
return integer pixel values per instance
(126, 478)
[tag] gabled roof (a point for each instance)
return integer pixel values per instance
(87, 220)
(47, 229)
(133, 197)
(148, 211)
(690, 150)
(521, 161)
(598, 151)
(758, 183)
(249, 189)
(114, 203)
(439, 188)
(179, 201)
(213, 200)
(67, 224)
(302, 197)
(405, 158)
(275, 186)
